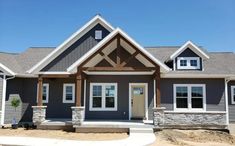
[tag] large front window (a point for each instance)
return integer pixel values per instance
(189, 97)
(103, 96)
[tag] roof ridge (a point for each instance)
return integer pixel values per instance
(40, 47)
(222, 52)
(11, 53)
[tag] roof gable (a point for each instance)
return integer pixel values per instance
(68, 42)
(73, 67)
(191, 46)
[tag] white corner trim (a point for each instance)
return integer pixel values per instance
(4, 86)
(232, 94)
(197, 50)
(7, 69)
(72, 68)
(103, 108)
(226, 99)
(146, 99)
(97, 19)
(64, 93)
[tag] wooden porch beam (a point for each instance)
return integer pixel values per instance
(59, 76)
(157, 90)
(78, 87)
(40, 84)
(129, 59)
(120, 68)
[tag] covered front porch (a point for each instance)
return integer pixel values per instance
(110, 84)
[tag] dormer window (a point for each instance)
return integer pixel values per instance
(98, 34)
(188, 63)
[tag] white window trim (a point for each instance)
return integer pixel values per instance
(232, 94)
(47, 94)
(101, 35)
(103, 108)
(188, 63)
(64, 93)
(189, 86)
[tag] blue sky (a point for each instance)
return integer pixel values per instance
(42, 23)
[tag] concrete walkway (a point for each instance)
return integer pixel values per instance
(135, 139)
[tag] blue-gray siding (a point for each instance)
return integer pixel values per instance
(77, 50)
(214, 92)
(122, 112)
(231, 106)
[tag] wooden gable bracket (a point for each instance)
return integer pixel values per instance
(106, 57)
(129, 59)
(118, 59)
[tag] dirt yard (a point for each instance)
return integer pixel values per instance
(62, 134)
(193, 138)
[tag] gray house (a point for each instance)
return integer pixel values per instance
(101, 73)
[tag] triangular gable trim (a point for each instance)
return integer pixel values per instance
(7, 70)
(73, 67)
(74, 37)
(193, 47)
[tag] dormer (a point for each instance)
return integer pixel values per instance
(188, 57)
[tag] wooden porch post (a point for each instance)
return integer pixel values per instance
(157, 90)
(40, 80)
(78, 87)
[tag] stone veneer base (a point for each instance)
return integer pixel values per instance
(39, 114)
(78, 114)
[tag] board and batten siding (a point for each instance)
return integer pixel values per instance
(215, 99)
(231, 107)
(76, 50)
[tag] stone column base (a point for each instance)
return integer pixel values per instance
(39, 114)
(158, 116)
(78, 115)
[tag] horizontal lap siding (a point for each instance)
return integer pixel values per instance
(122, 112)
(1, 83)
(214, 92)
(231, 106)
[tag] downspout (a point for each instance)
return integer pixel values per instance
(4, 87)
(226, 80)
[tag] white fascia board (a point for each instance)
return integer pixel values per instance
(72, 68)
(119, 73)
(54, 73)
(75, 36)
(7, 69)
(184, 75)
(197, 50)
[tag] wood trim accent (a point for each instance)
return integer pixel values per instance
(119, 68)
(110, 61)
(40, 84)
(100, 50)
(129, 59)
(139, 51)
(157, 90)
(78, 86)
(58, 76)
(118, 55)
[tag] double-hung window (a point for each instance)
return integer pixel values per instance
(232, 94)
(45, 93)
(188, 63)
(103, 97)
(69, 93)
(189, 97)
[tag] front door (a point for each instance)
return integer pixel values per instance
(138, 101)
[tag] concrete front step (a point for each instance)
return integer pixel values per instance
(141, 130)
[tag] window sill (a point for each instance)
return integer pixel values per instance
(103, 109)
(198, 111)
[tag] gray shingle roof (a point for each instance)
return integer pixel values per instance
(20, 63)
(219, 62)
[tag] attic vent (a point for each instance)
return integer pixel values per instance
(98, 34)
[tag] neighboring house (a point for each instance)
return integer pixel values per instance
(102, 73)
